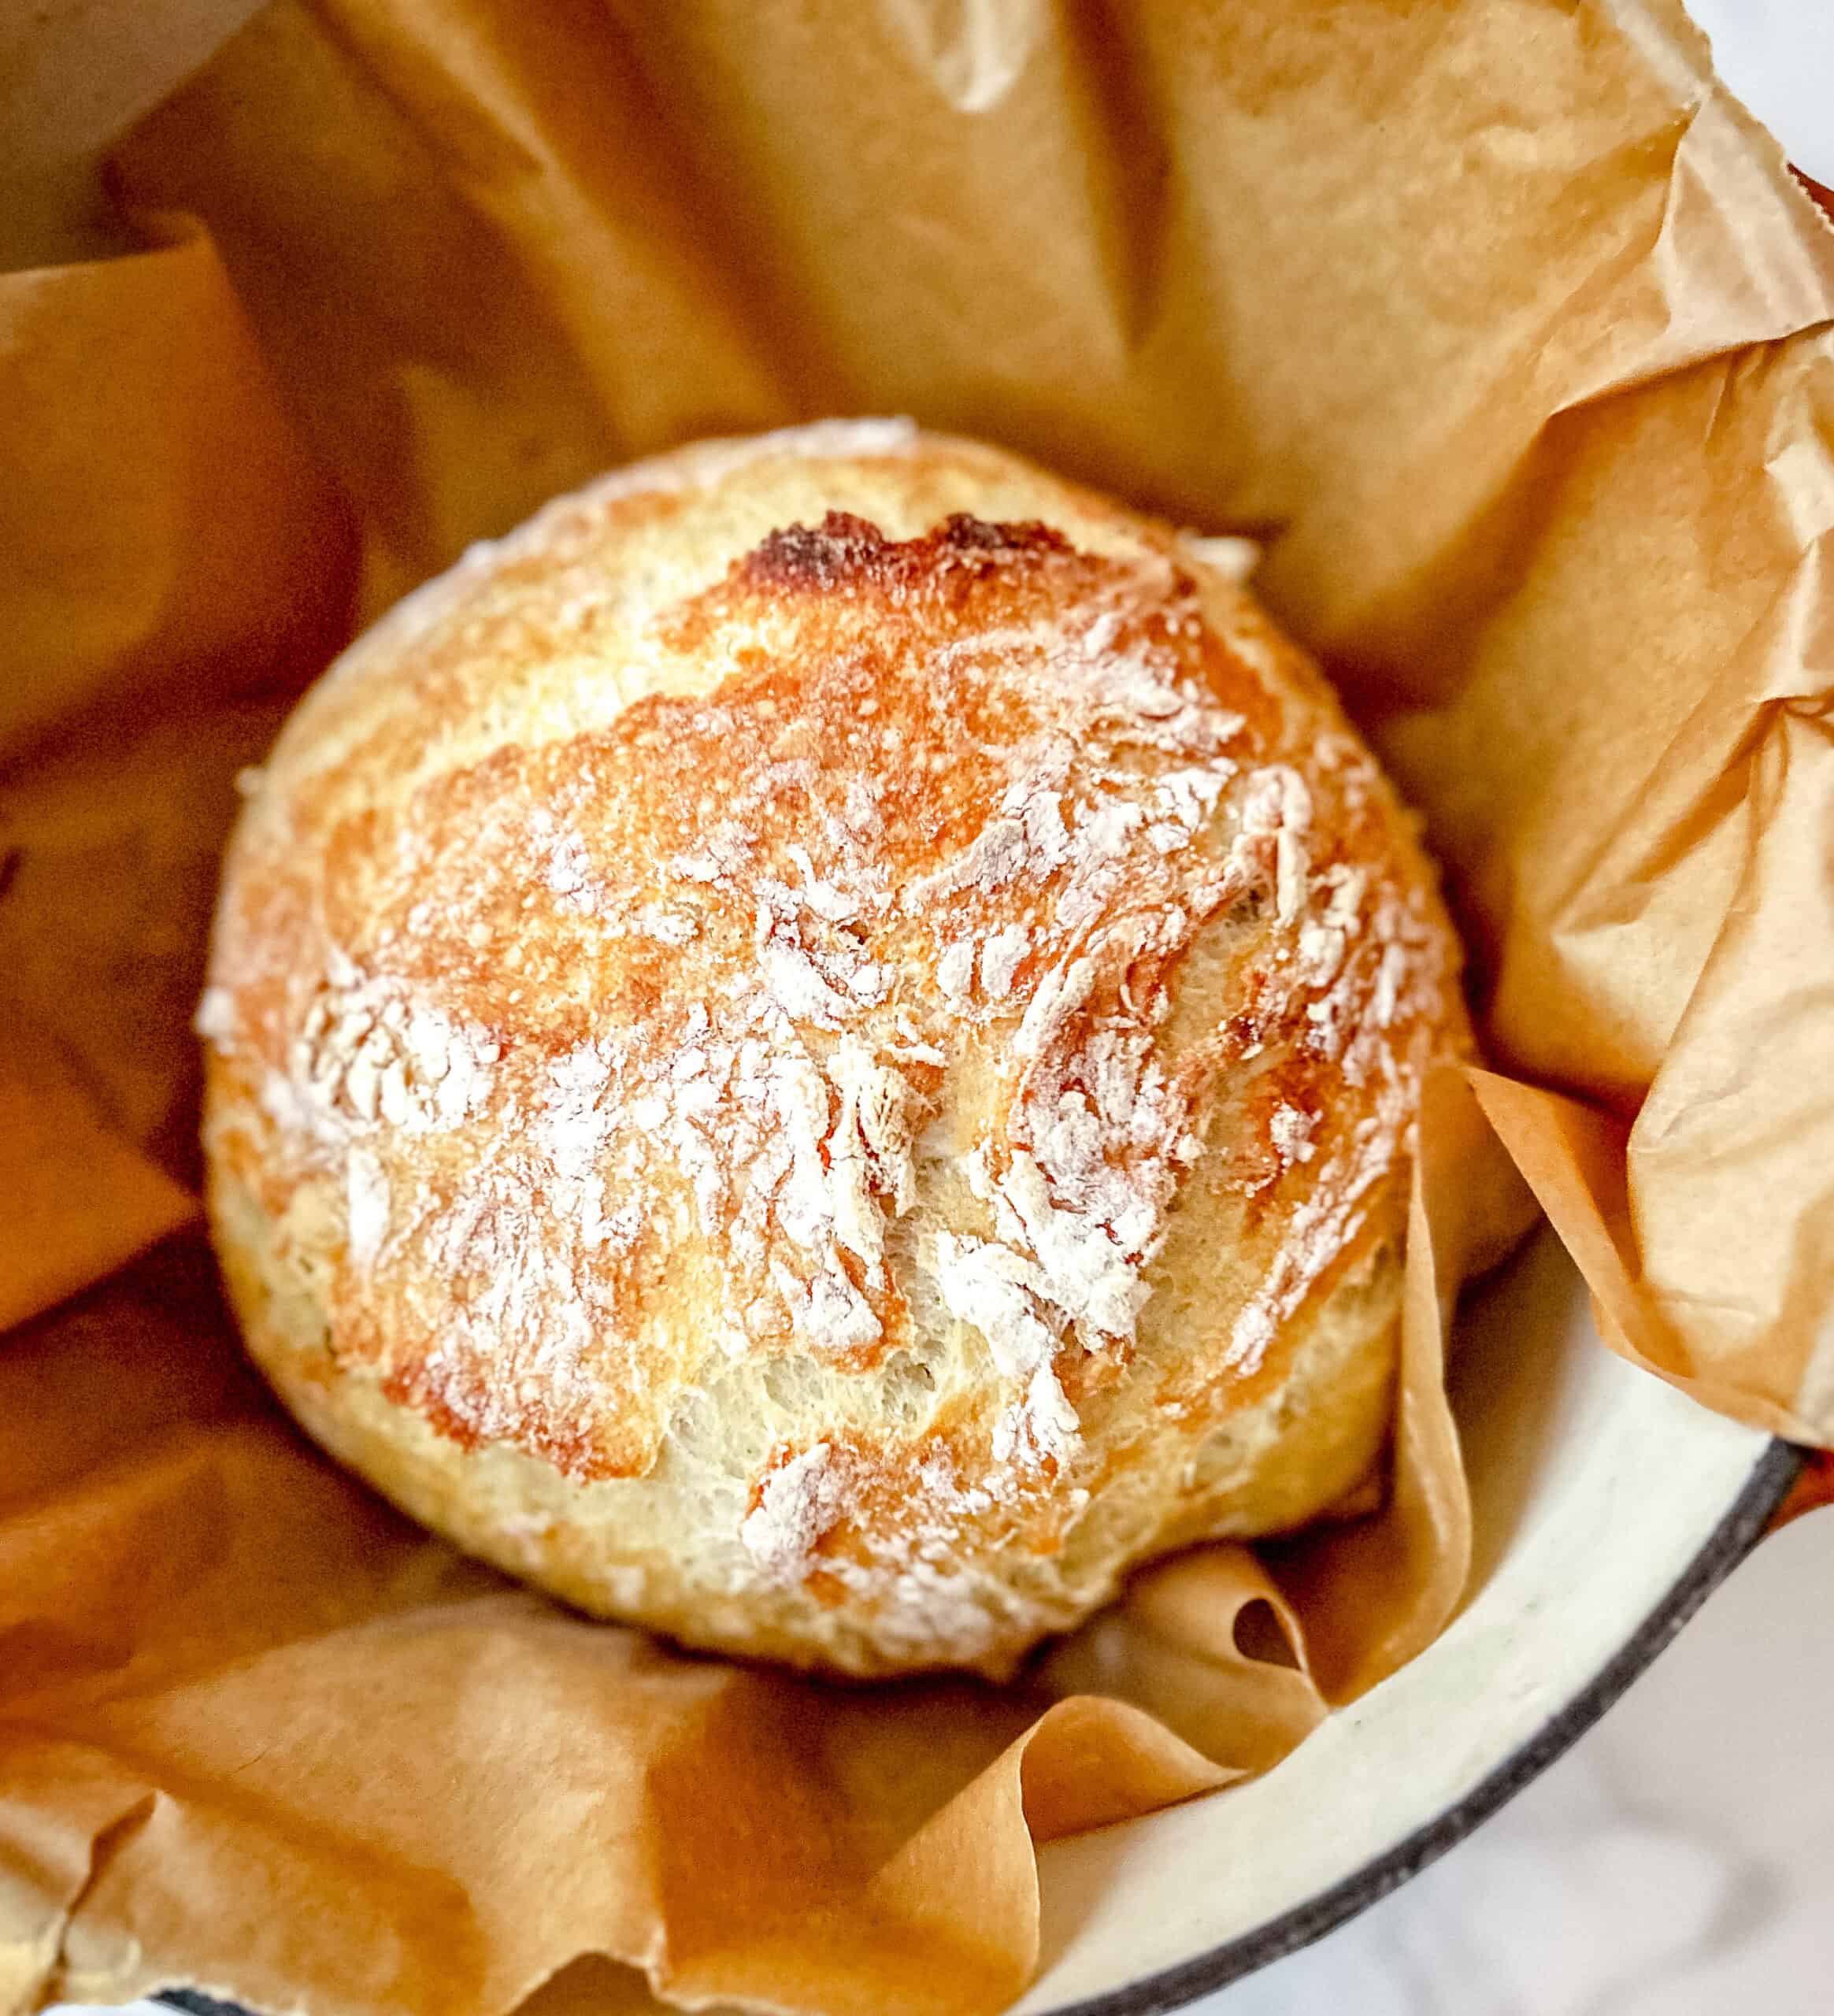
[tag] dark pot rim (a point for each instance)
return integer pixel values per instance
(1736, 1536)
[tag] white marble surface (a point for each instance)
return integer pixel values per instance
(1778, 55)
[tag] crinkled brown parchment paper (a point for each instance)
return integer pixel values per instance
(1500, 321)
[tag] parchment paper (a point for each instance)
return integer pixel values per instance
(1499, 321)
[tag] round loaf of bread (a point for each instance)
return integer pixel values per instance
(818, 1051)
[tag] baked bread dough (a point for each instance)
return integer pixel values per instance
(818, 1051)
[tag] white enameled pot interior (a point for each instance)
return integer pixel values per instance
(1596, 1489)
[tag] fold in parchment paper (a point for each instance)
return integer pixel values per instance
(1500, 323)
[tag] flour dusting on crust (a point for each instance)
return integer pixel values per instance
(730, 987)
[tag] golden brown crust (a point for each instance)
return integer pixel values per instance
(848, 924)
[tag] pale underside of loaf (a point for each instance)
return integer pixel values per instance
(818, 1051)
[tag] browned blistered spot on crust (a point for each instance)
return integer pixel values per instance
(819, 585)
(848, 553)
